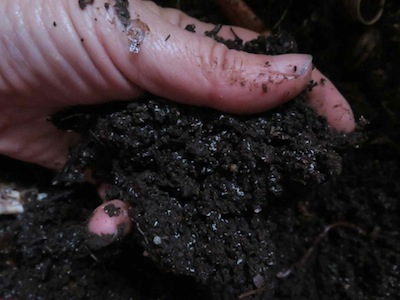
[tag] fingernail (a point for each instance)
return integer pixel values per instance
(290, 64)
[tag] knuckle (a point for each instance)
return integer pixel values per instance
(224, 65)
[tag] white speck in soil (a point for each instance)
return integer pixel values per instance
(157, 240)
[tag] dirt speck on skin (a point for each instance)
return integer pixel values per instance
(136, 32)
(83, 3)
(190, 28)
(121, 9)
(112, 211)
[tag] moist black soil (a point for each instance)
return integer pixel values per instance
(268, 206)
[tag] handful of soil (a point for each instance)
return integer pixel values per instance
(203, 183)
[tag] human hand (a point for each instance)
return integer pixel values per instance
(59, 55)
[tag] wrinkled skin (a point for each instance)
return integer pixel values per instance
(54, 55)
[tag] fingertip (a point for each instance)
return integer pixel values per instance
(327, 101)
(286, 77)
(109, 223)
(291, 64)
(252, 83)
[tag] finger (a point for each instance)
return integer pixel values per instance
(329, 102)
(109, 223)
(194, 69)
(45, 61)
(27, 135)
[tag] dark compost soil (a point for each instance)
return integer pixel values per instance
(268, 206)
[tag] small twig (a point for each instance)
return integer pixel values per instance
(214, 32)
(142, 233)
(240, 14)
(321, 236)
(282, 17)
(250, 293)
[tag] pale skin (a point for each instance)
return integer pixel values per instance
(55, 55)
